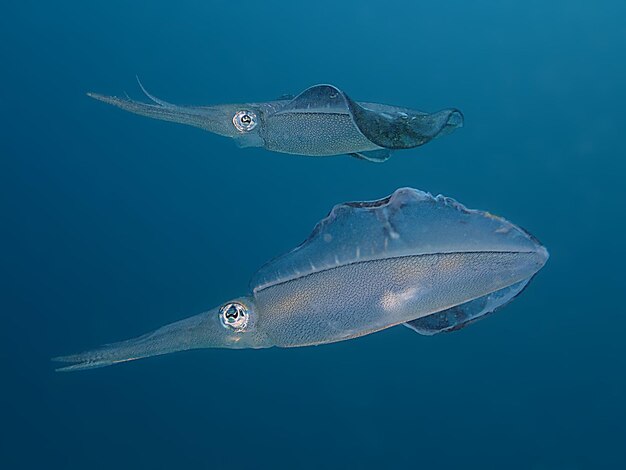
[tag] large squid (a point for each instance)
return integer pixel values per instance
(409, 259)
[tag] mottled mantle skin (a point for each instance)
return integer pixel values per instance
(411, 258)
(320, 121)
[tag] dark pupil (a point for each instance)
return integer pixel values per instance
(232, 313)
(246, 119)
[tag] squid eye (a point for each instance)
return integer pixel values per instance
(244, 121)
(234, 316)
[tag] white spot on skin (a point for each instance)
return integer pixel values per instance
(393, 301)
(328, 237)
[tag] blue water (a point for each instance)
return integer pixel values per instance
(114, 224)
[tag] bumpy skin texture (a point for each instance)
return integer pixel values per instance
(362, 298)
(315, 135)
(365, 267)
(320, 121)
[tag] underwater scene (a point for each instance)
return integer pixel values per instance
(352, 235)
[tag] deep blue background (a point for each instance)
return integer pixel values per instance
(113, 225)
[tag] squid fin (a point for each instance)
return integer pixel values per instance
(459, 316)
(377, 156)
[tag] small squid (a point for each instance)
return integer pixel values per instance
(320, 121)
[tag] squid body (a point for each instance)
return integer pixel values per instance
(409, 259)
(320, 121)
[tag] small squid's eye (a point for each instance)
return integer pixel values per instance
(244, 121)
(234, 315)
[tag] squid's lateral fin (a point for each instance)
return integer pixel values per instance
(459, 316)
(402, 128)
(318, 99)
(377, 156)
(407, 223)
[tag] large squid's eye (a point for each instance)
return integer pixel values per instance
(234, 315)
(244, 121)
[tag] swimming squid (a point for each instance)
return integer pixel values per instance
(320, 121)
(409, 259)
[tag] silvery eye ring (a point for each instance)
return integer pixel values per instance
(234, 315)
(244, 120)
